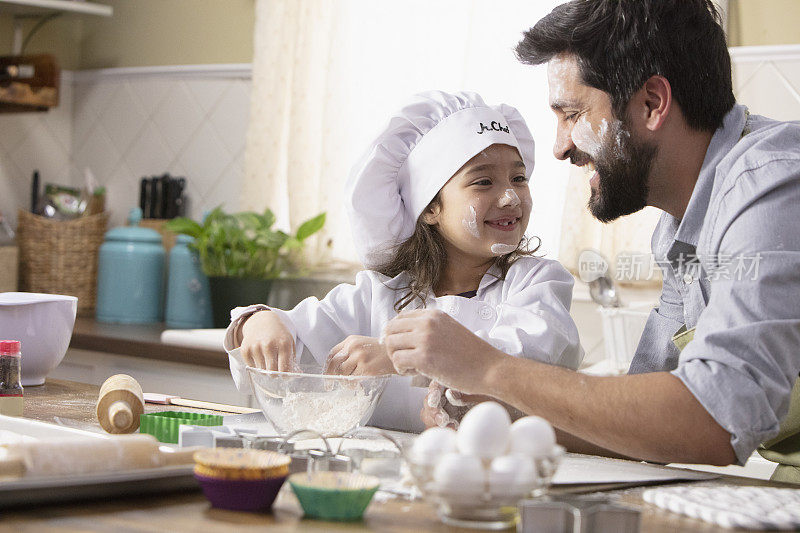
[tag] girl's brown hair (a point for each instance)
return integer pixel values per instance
(423, 256)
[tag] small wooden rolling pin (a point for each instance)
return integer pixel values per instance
(170, 399)
(85, 455)
(120, 403)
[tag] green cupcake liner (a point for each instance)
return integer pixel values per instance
(165, 425)
(324, 502)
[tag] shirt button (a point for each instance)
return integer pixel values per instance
(486, 313)
(688, 279)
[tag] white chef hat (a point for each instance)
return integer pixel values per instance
(421, 148)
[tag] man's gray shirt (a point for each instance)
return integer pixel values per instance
(731, 269)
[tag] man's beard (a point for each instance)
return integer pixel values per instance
(623, 167)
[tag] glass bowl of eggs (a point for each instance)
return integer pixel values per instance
(330, 405)
(478, 474)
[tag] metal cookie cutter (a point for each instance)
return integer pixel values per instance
(313, 460)
(577, 515)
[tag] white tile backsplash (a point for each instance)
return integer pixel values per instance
(767, 80)
(34, 141)
(126, 124)
(148, 123)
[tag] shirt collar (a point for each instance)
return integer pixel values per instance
(722, 142)
(492, 276)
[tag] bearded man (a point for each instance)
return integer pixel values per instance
(642, 92)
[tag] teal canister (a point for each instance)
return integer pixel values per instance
(130, 275)
(188, 292)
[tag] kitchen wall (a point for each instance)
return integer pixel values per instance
(188, 121)
(125, 124)
(31, 141)
(177, 101)
(767, 80)
(145, 33)
(169, 32)
(763, 22)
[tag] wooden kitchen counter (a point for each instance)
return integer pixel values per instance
(142, 340)
(73, 404)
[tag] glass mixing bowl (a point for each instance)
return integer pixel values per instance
(482, 509)
(327, 404)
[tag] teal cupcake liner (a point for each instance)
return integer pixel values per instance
(165, 425)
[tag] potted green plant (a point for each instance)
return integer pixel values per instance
(241, 254)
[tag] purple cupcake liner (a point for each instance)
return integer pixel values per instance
(241, 494)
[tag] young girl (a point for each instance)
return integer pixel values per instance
(439, 205)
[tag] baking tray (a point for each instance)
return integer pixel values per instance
(58, 489)
(94, 486)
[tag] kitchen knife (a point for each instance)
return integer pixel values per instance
(165, 196)
(144, 197)
(155, 197)
(35, 192)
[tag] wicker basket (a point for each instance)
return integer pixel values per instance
(57, 257)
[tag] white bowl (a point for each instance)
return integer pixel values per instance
(43, 324)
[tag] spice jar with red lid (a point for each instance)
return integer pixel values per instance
(10, 385)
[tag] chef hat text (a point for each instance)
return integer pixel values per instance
(420, 149)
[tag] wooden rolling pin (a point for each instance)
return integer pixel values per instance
(120, 403)
(85, 455)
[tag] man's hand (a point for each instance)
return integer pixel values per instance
(432, 343)
(266, 343)
(360, 356)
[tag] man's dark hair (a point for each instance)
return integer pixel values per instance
(619, 44)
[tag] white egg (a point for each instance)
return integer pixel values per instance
(532, 436)
(432, 444)
(484, 431)
(508, 474)
(456, 473)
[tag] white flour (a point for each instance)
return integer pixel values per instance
(328, 413)
(470, 222)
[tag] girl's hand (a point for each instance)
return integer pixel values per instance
(267, 343)
(360, 356)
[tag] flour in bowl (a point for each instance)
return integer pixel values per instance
(328, 413)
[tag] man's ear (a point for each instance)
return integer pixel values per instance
(656, 102)
(431, 214)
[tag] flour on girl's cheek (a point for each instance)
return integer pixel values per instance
(470, 222)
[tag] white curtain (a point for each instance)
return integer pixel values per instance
(327, 75)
